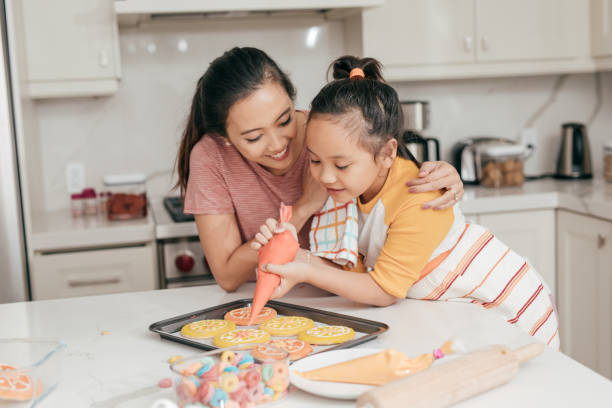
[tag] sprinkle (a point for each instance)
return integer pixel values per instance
(165, 383)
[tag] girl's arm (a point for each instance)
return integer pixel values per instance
(232, 263)
(359, 287)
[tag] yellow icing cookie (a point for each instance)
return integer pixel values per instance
(327, 334)
(286, 325)
(241, 336)
(204, 329)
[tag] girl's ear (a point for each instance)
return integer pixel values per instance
(388, 152)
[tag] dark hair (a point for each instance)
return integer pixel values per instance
(371, 96)
(229, 78)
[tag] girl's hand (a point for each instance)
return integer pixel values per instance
(267, 231)
(434, 176)
(290, 273)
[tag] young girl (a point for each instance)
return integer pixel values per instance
(404, 250)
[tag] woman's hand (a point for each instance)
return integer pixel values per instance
(267, 231)
(434, 176)
(290, 273)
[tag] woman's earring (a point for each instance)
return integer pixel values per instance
(227, 142)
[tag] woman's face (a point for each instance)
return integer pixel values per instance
(263, 128)
(339, 163)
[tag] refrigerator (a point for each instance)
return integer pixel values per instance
(14, 285)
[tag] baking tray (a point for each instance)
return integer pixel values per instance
(365, 330)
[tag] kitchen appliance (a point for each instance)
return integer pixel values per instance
(14, 286)
(574, 161)
(180, 254)
(468, 154)
(416, 120)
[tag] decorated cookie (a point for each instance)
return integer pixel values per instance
(16, 385)
(242, 315)
(295, 347)
(327, 334)
(241, 336)
(204, 329)
(286, 325)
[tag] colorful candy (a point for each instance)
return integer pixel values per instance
(231, 380)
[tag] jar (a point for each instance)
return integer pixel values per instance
(501, 166)
(607, 154)
(103, 201)
(76, 205)
(90, 201)
(128, 197)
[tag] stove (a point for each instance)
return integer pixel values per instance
(181, 258)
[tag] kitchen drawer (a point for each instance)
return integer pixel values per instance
(93, 272)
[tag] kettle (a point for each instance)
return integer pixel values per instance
(420, 147)
(575, 153)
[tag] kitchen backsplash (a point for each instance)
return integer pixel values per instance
(138, 129)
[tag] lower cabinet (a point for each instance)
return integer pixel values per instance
(584, 251)
(529, 234)
(93, 272)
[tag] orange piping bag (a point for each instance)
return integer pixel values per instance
(281, 249)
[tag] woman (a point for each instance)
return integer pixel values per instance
(243, 152)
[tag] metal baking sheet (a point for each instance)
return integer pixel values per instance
(365, 330)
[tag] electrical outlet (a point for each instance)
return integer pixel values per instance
(75, 177)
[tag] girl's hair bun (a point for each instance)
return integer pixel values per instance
(341, 68)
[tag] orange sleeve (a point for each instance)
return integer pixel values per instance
(413, 235)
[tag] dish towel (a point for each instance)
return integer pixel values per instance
(335, 231)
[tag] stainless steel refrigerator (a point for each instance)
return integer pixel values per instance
(14, 286)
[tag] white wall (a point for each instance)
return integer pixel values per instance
(138, 129)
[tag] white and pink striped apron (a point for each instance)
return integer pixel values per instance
(482, 269)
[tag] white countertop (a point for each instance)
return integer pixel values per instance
(114, 369)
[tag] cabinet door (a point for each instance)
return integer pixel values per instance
(530, 234)
(585, 290)
(70, 44)
(93, 272)
(526, 29)
(601, 27)
(408, 32)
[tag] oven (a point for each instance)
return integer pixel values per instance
(181, 259)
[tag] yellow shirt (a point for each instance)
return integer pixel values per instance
(397, 237)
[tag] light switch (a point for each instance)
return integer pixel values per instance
(75, 177)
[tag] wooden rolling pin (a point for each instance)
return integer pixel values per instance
(453, 381)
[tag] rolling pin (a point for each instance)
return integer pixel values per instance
(448, 383)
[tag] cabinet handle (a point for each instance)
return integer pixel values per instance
(468, 43)
(484, 43)
(91, 282)
(601, 241)
(103, 59)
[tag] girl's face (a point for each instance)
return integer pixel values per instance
(340, 164)
(263, 128)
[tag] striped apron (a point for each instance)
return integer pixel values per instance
(483, 270)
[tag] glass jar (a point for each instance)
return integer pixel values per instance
(607, 155)
(502, 166)
(90, 201)
(76, 205)
(128, 197)
(237, 376)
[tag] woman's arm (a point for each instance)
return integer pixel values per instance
(435, 176)
(232, 263)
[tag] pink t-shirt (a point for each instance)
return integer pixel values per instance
(222, 181)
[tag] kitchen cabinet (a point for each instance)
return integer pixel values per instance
(530, 234)
(93, 272)
(601, 27)
(585, 289)
(71, 47)
(428, 39)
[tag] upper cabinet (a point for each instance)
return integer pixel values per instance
(601, 27)
(71, 47)
(434, 39)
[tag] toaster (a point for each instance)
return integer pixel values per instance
(466, 155)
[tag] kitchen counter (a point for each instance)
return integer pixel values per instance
(587, 197)
(122, 367)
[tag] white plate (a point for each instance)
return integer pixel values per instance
(326, 388)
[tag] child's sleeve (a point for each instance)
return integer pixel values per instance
(412, 237)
